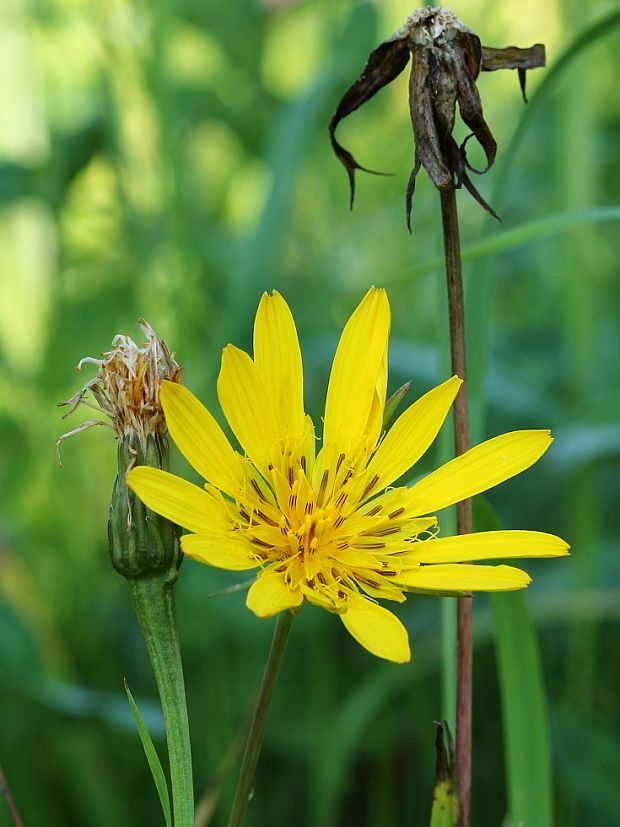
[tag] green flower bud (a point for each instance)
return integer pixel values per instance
(141, 541)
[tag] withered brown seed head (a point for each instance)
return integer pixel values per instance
(447, 58)
(126, 387)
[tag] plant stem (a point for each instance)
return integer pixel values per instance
(259, 719)
(154, 604)
(452, 251)
(8, 795)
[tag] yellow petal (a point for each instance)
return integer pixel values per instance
(177, 500)
(199, 438)
(488, 545)
(269, 594)
(479, 469)
(355, 370)
(412, 434)
(220, 549)
(376, 629)
(464, 578)
(244, 401)
(278, 360)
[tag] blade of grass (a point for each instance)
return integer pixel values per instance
(524, 704)
(153, 759)
(524, 710)
(479, 291)
(587, 37)
(515, 237)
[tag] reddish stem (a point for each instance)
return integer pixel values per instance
(8, 795)
(452, 250)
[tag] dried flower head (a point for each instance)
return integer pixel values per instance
(447, 59)
(126, 387)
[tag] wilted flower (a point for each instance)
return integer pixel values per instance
(329, 527)
(126, 389)
(447, 58)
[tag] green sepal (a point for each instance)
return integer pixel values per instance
(392, 404)
(437, 593)
(153, 759)
(445, 810)
(141, 542)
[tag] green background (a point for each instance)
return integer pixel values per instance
(170, 160)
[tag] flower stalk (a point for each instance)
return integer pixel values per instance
(144, 546)
(154, 604)
(259, 719)
(456, 311)
(447, 59)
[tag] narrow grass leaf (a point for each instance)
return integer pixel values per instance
(153, 759)
(524, 705)
(588, 36)
(524, 710)
(515, 237)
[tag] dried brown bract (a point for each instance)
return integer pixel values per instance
(447, 58)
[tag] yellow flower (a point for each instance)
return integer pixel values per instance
(328, 527)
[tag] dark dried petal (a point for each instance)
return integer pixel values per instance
(385, 63)
(471, 189)
(470, 105)
(428, 149)
(472, 52)
(443, 89)
(411, 188)
(514, 58)
(522, 81)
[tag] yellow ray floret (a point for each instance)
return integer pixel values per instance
(328, 528)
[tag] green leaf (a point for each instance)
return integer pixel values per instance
(524, 705)
(153, 758)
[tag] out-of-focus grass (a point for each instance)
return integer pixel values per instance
(171, 161)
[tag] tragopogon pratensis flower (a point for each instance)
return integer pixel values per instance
(328, 526)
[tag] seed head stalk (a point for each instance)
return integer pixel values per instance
(259, 719)
(452, 252)
(154, 604)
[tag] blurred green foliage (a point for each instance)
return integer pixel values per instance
(170, 160)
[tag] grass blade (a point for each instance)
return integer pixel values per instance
(524, 710)
(511, 239)
(524, 705)
(588, 36)
(153, 759)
